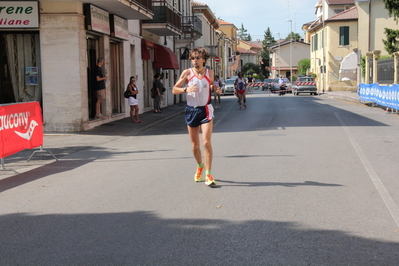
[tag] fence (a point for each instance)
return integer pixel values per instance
(383, 95)
(385, 70)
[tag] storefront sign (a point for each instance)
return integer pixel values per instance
(19, 14)
(119, 27)
(21, 127)
(97, 19)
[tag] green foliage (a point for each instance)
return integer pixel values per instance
(393, 8)
(363, 66)
(303, 66)
(295, 36)
(313, 75)
(391, 43)
(251, 68)
(243, 35)
(259, 76)
(266, 43)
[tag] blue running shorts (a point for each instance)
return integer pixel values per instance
(198, 115)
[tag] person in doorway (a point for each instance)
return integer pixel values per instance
(198, 82)
(218, 83)
(99, 86)
(157, 87)
(133, 102)
(241, 85)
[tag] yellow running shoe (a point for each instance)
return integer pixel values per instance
(209, 181)
(198, 174)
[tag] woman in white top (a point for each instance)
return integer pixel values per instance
(133, 102)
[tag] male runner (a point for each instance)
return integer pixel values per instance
(198, 82)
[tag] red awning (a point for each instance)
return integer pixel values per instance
(164, 58)
(145, 54)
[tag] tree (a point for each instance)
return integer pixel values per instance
(393, 8)
(243, 35)
(303, 66)
(295, 36)
(266, 43)
(251, 68)
(391, 44)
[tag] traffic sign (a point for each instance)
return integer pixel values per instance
(273, 68)
(217, 59)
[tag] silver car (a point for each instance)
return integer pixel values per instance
(305, 85)
(228, 87)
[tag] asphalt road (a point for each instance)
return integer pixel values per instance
(301, 180)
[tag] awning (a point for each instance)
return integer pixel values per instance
(145, 54)
(164, 58)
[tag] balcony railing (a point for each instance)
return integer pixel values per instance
(145, 3)
(191, 27)
(164, 13)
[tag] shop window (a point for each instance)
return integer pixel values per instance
(20, 77)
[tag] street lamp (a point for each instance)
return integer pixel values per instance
(290, 21)
(278, 53)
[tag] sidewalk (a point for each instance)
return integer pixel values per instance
(351, 96)
(63, 144)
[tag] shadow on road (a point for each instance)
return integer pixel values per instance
(143, 238)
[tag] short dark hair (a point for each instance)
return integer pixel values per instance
(99, 60)
(157, 75)
(201, 51)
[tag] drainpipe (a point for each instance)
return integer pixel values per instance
(369, 41)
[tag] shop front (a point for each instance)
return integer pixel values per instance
(20, 64)
(48, 51)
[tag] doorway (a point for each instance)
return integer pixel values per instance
(116, 78)
(92, 54)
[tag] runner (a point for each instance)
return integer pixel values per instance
(241, 84)
(197, 82)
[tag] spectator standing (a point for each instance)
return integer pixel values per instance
(133, 102)
(99, 86)
(157, 87)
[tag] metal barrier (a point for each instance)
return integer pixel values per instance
(21, 127)
(387, 96)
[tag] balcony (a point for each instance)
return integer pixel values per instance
(166, 21)
(128, 9)
(191, 28)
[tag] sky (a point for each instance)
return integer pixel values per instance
(258, 15)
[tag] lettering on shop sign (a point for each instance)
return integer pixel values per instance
(99, 20)
(19, 14)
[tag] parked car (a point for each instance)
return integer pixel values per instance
(276, 86)
(228, 87)
(305, 84)
(268, 84)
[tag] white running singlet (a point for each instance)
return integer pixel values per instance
(203, 96)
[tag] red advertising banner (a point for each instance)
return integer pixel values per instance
(21, 127)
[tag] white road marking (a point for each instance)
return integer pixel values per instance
(389, 203)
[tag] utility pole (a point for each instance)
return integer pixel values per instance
(290, 21)
(278, 53)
